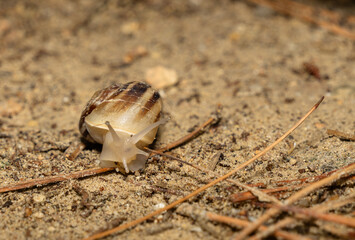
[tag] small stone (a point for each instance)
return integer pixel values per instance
(38, 198)
(38, 215)
(28, 212)
(66, 100)
(51, 229)
(32, 123)
(293, 161)
(159, 206)
(302, 170)
(320, 125)
(130, 28)
(161, 77)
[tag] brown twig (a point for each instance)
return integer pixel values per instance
(187, 137)
(256, 192)
(311, 179)
(156, 188)
(244, 223)
(199, 215)
(341, 135)
(328, 205)
(312, 70)
(203, 188)
(76, 152)
(84, 195)
(271, 212)
(243, 196)
(300, 180)
(333, 204)
(85, 200)
(53, 179)
(315, 214)
(306, 13)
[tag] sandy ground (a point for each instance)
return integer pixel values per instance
(244, 60)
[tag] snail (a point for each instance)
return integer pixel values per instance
(124, 118)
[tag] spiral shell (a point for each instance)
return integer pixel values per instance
(132, 110)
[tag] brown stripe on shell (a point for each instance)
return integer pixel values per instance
(121, 90)
(131, 96)
(157, 117)
(150, 104)
(134, 93)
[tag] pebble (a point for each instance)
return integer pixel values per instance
(38, 198)
(38, 215)
(28, 212)
(159, 206)
(32, 123)
(161, 77)
(130, 28)
(51, 229)
(293, 161)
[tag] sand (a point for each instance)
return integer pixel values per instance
(245, 61)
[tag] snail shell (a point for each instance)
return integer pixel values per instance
(124, 118)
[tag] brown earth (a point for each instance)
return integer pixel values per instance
(246, 59)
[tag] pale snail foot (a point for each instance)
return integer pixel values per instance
(120, 151)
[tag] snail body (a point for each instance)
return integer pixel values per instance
(124, 119)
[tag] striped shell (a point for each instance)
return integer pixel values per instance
(124, 118)
(129, 108)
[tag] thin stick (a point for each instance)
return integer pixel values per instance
(244, 223)
(77, 151)
(273, 228)
(271, 212)
(53, 179)
(187, 137)
(311, 179)
(243, 196)
(203, 188)
(341, 135)
(316, 214)
(89, 172)
(257, 193)
(301, 180)
(326, 206)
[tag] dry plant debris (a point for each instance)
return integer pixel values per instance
(303, 192)
(341, 135)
